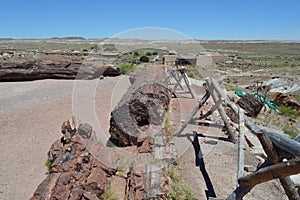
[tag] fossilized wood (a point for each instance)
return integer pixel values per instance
(250, 104)
(141, 108)
(48, 69)
(80, 167)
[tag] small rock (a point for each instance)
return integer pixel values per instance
(210, 141)
(249, 168)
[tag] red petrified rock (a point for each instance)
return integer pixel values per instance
(80, 168)
(146, 181)
(280, 98)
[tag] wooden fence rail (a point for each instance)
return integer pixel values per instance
(276, 147)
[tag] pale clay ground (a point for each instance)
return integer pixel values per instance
(31, 114)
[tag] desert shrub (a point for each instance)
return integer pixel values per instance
(178, 190)
(94, 47)
(126, 68)
(144, 59)
(109, 47)
(111, 194)
(48, 164)
(190, 74)
(290, 131)
(287, 111)
(136, 53)
(154, 53)
(148, 53)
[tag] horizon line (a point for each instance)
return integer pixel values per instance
(104, 38)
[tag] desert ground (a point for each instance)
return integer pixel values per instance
(31, 112)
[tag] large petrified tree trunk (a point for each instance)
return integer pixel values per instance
(48, 69)
(141, 109)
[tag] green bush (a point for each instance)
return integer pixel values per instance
(287, 111)
(179, 190)
(136, 53)
(154, 53)
(94, 47)
(126, 68)
(109, 47)
(290, 131)
(190, 74)
(111, 194)
(48, 164)
(148, 53)
(144, 59)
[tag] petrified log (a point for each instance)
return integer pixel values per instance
(141, 109)
(48, 69)
(79, 166)
(285, 99)
(250, 104)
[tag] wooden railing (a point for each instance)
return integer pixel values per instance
(277, 147)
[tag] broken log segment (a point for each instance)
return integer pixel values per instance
(49, 69)
(279, 170)
(141, 108)
(250, 104)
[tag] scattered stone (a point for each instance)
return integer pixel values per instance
(112, 71)
(210, 141)
(232, 116)
(249, 168)
(281, 85)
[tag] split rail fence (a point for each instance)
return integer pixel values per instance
(276, 146)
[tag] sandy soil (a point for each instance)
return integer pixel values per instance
(31, 114)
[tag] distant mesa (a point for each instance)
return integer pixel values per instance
(69, 38)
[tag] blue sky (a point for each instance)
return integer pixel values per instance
(209, 19)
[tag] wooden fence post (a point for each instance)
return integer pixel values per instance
(213, 84)
(273, 157)
(195, 110)
(241, 145)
